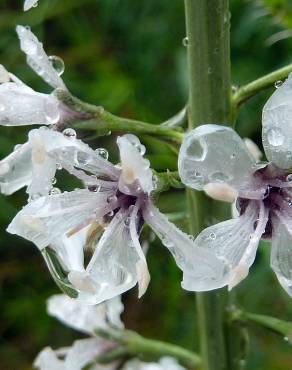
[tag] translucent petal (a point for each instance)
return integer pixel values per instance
(281, 256)
(71, 152)
(135, 168)
(112, 268)
(20, 105)
(234, 242)
(277, 126)
(198, 265)
(83, 317)
(47, 218)
(165, 363)
(37, 58)
(47, 359)
(28, 4)
(16, 170)
(212, 153)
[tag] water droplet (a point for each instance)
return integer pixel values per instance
(197, 150)
(103, 153)
(219, 177)
(59, 166)
(55, 191)
(58, 64)
(54, 180)
(70, 132)
(111, 213)
(127, 221)
(289, 177)
(112, 199)
(17, 146)
(35, 4)
(233, 155)
(141, 148)
(185, 41)
(132, 139)
(51, 111)
(212, 236)
(275, 137)
(278, 84)
(94, 188)
(234, 88)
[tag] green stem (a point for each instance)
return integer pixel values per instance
(134, 345)
(248, 91)
(102, 122)
(208, 28)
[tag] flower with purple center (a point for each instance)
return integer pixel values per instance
(90, 237)
(214, 159)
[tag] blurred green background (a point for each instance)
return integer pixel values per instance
(128, 56)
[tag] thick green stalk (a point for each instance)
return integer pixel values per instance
(208, 29)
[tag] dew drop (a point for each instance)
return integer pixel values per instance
(275, 137)
(94, 188)
(69, 132)
(55, 191)
(103, 153)
(185, 41)
(54, 181)
(278, 84)
(52, 113)
(233, 155)
(17, 146)
(127, 221)
(112, 199)
(212, 236)
(58, 64)
(111, 213)
(59, 166)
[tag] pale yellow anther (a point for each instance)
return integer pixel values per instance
(221, 191)
(38, 153)
(128, 175)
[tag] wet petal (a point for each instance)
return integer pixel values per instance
(37, 58)
(20, 105)
(281, 256)
(71, 152)
(83, 317)
(16, 170)
(112, 268)
(135, 168)
(198, 265)
(235, 242)
(47, 359)
(277, 126)
(215, 154)
(28, 4)
(47, 218)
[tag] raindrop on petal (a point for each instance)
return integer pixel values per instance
(185, 41)
(69, 132)
(55, 191)
(275, 137)
(102, 153)
(278, 84)
(58, 64)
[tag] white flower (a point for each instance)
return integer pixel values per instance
(90, 237)
(215, 159)
(28, 4)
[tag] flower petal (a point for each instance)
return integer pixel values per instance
(16, 169)
(281, 256)
(47, 218)
(135, 168)
(37, 58)
(198, 265)
(47, 359)
(235, 242)
(20, 105)
(28, 4)
(112, 268)
(83, 317)
(215, 154)
(277, 126)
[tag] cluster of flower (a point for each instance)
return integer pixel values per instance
(84, 352)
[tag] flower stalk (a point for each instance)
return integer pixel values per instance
(134, 345)
(208, 47)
